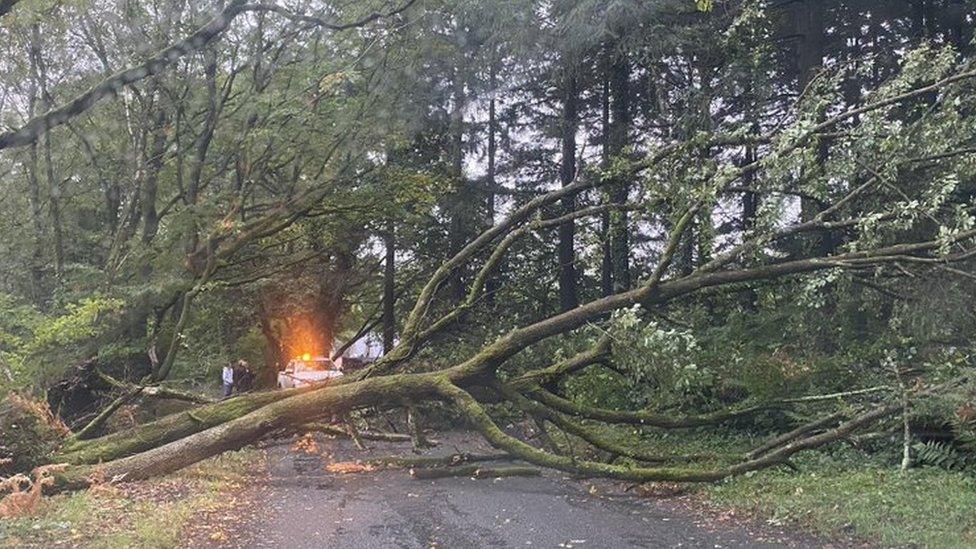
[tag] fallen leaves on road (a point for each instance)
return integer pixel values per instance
(306, 445)
(344, 467)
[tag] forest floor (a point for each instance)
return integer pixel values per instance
(200, 506)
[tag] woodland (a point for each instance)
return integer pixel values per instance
(705, 216)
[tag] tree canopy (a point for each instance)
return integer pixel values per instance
(669, 213)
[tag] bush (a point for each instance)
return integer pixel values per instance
(36, 348)
(29, 433)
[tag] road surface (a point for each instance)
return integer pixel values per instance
(303, 506)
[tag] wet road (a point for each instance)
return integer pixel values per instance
(304, 506)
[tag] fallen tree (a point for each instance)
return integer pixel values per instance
(182, 439)
(168, 429)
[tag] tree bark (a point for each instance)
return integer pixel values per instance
(456, 226)
(606, 266)
(39, 98)
(275, 353)
(154, 164)
(474, 471)
(234, 430)
(427, 462)
(618, 140)
(332, 430)
(811, 28)
(168, 429)
(389, 288)
(34, 200)
(491, 186)
(750, 209)
(567, 174)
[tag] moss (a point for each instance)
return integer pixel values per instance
(480, 420)
(167, 429)
(644, 417)
(596, 437)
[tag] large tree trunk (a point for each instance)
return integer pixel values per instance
(53, 184)
(606, 253)
(287, 414)
(34, 192)
(233, 427)
(810, 23)
(168, 429)
(491, 185)
(154, 164)
(389, 288)
(618, 139)
(568, 298)
(750, 209)
(458, 207)
(37, 254)
(275, 355)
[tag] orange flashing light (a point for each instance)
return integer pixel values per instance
(306, 357)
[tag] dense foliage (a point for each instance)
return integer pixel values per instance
(287, 185)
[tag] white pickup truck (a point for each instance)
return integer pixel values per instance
(306, 371)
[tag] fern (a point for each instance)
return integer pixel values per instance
(940, 454)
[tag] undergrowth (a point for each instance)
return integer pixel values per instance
(839, 493)
(158, 513)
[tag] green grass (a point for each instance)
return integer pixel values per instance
(881, 505)
(144, 529)
(149, 514)
(839, 493)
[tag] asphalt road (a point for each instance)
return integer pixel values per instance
(304, 506)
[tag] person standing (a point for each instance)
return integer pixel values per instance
(244, 380)
(228, 379)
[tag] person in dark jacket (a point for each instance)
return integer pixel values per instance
(243, 377)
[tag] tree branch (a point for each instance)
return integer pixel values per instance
(598, 353)
(6, 6)
(646, 418)
(319, 22)
(195, 42)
